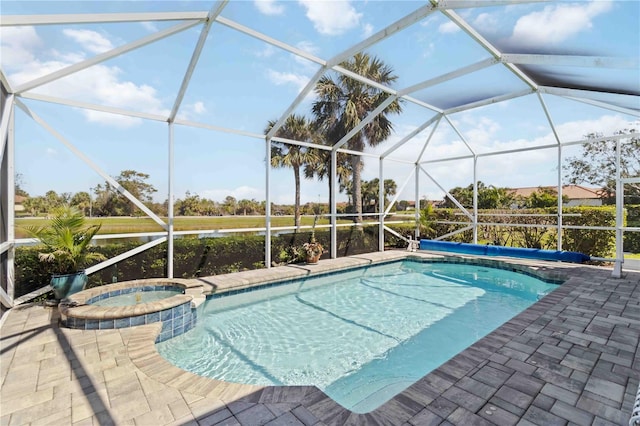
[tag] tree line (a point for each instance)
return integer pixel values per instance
(105, 200)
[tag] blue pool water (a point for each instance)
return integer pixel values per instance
(361, 336)
(136, 298)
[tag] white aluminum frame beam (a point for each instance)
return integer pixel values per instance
(471, 32)
(267, 204)
(486, 63)
(90, 270)
(5, 82)
(606, 105)
(71, 69)
(6, 246)
(571, 61)
(459, 133)
(464, 4)
(617, 268)
(11, 195)
(332, 63)
(559, 168)
(428, 141)
(373, 114)
(215, 128)
(381, 204)
(267, 39)
(489, 101)
(213, 13)
(90, 163)
(530, 148)
(297, 101)
(411, 135)
(4, 124)
(399, 191)
(93, 107)
(585, 96)
(388, 31)
(98, 18)
(170, 201)
(451, 197)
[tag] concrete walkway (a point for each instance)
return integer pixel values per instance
(571, 358)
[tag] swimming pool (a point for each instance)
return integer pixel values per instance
(361, 336)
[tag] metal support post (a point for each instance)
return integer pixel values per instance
(475, 199)
(381, 205)
(617, 268)
(170, 207)
(267, 206)
(334, 209)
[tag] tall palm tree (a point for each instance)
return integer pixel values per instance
(321, 168)
(344, 102)
(298, 128)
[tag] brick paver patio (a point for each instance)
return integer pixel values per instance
(571, 358)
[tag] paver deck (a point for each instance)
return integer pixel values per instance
(571, 358)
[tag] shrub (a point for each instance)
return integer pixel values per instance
(193, 257)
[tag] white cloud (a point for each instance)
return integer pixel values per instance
(308, 47)
(188, 111)
(307, 66)
(557, 23)
(269, 7)
(429, 49)
(199, 108)
(107, 119)
(486, 22)
(51, 152)
(149, 26)
(18, 45)
(448, 27)
(331, 17)
(285, 78)
(367, 30)
(68, 57)
(26, 60)
(90, 40)
(267, 52)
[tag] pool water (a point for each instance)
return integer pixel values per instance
(137, 297)
(361, 336)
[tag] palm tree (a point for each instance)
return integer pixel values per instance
(344, 102)
(298, 128)
(321, 168)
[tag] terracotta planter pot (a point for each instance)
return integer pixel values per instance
(313, 258)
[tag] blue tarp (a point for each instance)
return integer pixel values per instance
(487, 250)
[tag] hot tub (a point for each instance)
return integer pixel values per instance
(174, 309)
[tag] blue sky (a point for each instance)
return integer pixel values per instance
(241, 83)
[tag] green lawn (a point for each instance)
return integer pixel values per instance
(122, 225)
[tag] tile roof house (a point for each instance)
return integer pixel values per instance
(578, 195)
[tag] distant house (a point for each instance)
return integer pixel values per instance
(19, 203)
(578, 195)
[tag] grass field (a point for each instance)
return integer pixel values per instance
(122, 225)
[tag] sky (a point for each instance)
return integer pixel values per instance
(241, 83)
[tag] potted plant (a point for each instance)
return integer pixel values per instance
(66, 238)
(313, 248)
